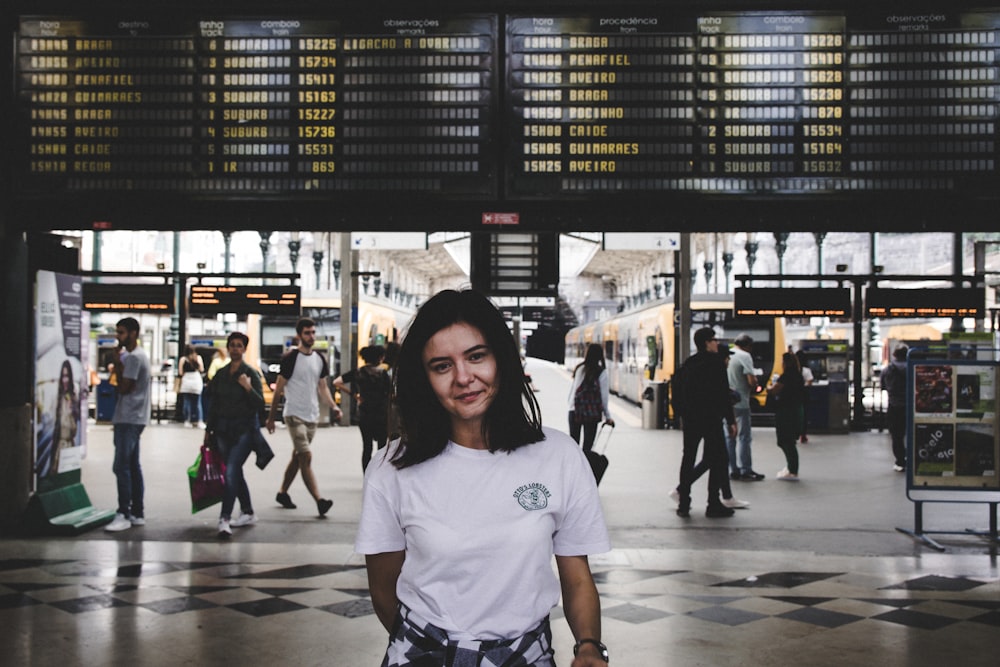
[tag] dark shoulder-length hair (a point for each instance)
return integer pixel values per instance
(512, 420)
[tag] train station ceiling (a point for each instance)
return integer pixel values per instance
(446, 258)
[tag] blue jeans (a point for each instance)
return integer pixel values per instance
(234, 440)
(743, 464)
(127, 470)
(191, 407)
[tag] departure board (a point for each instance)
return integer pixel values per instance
(924, 88)
(792, 302)
(125, 297)
(245, 300)
(787, 104)
(752, 103)
(250, 107)
(770, 102)
(930, 302)
(600, 104)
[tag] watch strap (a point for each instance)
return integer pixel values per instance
(587, 640)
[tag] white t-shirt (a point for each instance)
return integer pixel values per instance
(480, 530)
(302, 373)
(740, 366)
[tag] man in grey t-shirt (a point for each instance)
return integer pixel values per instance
(743, 381)
(131, 368)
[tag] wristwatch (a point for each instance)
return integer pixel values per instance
(600, 647)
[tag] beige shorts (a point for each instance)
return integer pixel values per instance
(302, 433)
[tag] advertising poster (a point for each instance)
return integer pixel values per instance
(975, 395)
(933, 390)
(934, 449)
(955, 443)
(61, 382)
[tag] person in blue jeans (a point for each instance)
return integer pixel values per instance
(130, 364)
(743, 380)
(237, 400)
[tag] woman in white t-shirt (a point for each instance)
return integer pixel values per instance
(462, 516)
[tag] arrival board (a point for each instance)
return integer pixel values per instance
(752, 103)
(249, 107)
(766, 103)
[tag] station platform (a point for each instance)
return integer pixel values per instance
(814, 572)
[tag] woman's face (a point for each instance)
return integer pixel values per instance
(462, 372)
(65, 379)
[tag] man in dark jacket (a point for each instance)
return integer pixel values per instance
(706, 403)
(893, 381)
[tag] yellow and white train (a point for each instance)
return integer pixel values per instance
(640, 345)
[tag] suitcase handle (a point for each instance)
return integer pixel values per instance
(607, 438)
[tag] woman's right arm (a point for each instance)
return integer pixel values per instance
(383, 572)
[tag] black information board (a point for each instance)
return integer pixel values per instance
(792, 301)
(692, 102)
(753, 103)
(131, 298)
(251, 107)
(245, 300)
(939, 302)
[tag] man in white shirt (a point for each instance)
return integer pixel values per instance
(302, 381)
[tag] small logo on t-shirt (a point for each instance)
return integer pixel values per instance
(533, 496)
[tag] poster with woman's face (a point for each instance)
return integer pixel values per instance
(60, 379)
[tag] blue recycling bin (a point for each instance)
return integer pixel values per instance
(106, 399)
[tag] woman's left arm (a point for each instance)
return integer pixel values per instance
(582, 606)
(605, 384)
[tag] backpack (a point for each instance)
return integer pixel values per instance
(587, 404)
(374, 387)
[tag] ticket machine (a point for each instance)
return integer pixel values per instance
(828, 409)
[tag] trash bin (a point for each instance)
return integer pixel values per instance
(654, 401)
(106, 400)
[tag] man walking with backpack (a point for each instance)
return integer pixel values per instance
(302, 380)
(701, 397)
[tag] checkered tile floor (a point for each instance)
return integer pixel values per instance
(932, 601)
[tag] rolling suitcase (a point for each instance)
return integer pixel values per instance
(597, 459)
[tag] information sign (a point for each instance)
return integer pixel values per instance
(245, 300)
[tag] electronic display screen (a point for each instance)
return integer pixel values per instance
(940, 302)
(775, 104)
(129, 298)
(765, 103)
(792, 301)
(257, 107)
(245, 299)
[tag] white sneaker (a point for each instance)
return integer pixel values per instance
(787, 476)
(897, 468)
(243, 520)
(225, 532)
(188, 425)
(201, 425)
(118, 524)
(734, 504)
(137, 520)
(676, 497)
